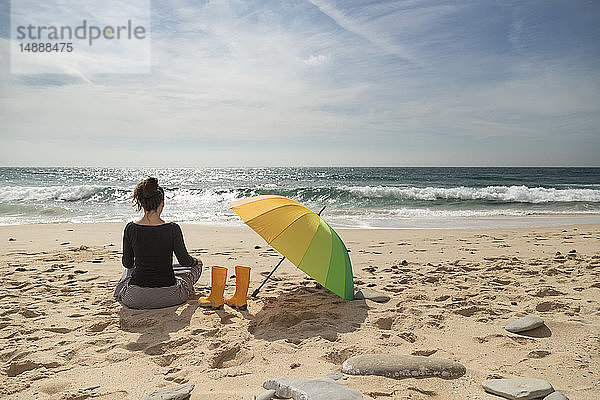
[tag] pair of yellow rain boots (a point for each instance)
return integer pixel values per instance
(218, 276)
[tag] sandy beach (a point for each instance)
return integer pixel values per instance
(452, 292)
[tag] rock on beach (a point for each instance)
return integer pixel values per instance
(556, 396)
(373, 295)
(402, 366)
(268, 395)
(524, 324)
(518, 388)
(179, 392)
(311, 389)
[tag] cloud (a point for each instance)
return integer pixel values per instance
(327, 82)
(316, 60)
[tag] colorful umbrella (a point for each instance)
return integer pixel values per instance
(303, 237)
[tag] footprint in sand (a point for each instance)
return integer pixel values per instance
(231, 357)
(134, 323)
(521, 339)
(57, 329)
(485, 339)
(435, 319)
(166, 353)
(31, 313)
(54, 386)
(408, 336)
(18, 367)
(205, 332)
(393, 288)
(538, 354)
(550, 306)
(99, 326)
(544, 292)
(165, 360)
(162, 348)
(66, 354)
(339, 356)
(385, 323)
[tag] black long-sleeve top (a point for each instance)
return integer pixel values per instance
(149, 251)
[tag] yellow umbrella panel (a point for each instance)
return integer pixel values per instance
(303, 237)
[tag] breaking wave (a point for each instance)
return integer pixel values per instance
(504, 194)
(331, 195)
(10, 194)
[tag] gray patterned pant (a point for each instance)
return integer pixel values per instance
(139, 297)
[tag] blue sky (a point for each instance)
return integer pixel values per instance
(244, 83)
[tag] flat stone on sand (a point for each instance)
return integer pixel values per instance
(373, 295)
(524, 324)
(179, 392)
(556, 396)
(311, 389)
(402, 366)
(518, 388)
(268, 395)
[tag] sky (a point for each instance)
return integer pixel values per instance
(326, 83)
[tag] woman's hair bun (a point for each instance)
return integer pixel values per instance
(148, 194)
(150, 186)
(152, 182)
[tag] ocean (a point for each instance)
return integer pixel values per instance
(382, 197)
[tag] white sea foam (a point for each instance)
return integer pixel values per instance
(511, 194)
(208, 196)
(204, 197)
(10, 194)
(107, 194)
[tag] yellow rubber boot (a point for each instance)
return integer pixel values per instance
(218, 277)
(242, 281)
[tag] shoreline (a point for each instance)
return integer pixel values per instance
(535, 220)
(64, 236)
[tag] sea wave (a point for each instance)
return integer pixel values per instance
(336, 195)
(373, 196)
(17, 194)
(505, 194)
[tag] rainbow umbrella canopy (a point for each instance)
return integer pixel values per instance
(303, 237)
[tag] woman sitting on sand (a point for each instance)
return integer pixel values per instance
(151, 280)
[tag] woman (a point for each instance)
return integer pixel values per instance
(151, 280)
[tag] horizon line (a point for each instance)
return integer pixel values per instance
(303, 166)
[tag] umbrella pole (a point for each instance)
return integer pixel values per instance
(255, 293)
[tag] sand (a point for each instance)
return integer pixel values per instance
(61, 332)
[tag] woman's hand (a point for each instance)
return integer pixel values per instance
(199, 262)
